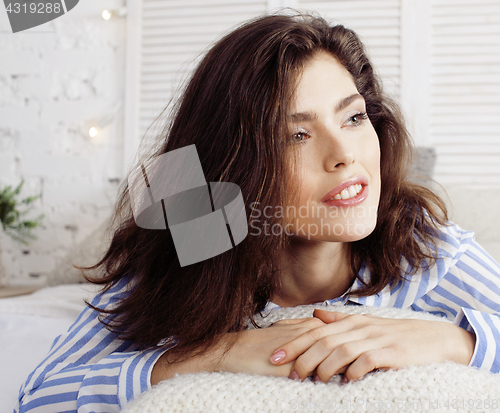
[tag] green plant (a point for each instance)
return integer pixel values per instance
(13, 211)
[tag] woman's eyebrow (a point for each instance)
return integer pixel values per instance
(308, 117)
(347, 101)
(303, 117)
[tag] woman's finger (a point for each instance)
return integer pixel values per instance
(346, 355)
(332, 316)
(293, 349)
(329, 316)
(311, 322)
(288, 321)
(322, 350)
(342, 357)
(381, 358)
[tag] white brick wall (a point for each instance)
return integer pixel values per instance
(54, 80)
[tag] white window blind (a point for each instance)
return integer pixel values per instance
(465, 91)
(175, 35)
(439, 58)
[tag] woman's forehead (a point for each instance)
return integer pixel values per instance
(321, 74)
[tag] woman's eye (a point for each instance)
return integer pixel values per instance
(357, 119)
(300, 137)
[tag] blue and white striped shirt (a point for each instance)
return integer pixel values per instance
(89, 370)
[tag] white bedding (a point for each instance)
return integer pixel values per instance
(28, 326)
(433, 388)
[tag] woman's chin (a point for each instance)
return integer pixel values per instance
(362, 230)
(336, 232)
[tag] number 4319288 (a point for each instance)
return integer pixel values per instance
(35, 7)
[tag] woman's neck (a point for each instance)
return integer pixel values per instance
(313, 272)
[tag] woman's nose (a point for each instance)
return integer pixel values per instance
(338, 152)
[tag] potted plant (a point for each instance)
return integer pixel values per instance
(12, 218)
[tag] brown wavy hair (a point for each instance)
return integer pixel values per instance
(234, 109)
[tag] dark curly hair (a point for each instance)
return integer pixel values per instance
(234, 109)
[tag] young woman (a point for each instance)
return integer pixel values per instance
(290, 110)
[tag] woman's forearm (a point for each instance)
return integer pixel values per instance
(165, 369)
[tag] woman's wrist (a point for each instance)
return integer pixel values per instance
(209, 360)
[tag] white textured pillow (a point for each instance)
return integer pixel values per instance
(432, 388)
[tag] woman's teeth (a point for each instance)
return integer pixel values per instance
(349, 192)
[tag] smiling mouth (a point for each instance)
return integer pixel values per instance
(348, 193)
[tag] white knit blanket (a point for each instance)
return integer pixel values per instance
(446, 387)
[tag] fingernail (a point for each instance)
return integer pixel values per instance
(278, 356)
(316, 378)
(344, 379)
(294, 376)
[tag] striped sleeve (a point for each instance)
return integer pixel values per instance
(88, 369)
(467, 291)
(116, 380)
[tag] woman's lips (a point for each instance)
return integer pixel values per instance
(351, 186)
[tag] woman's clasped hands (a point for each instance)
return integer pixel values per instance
(354, 345)
(250, 349)
(327, 344)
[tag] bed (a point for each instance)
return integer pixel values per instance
(28, 326)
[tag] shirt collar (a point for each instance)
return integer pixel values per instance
(359, 282)
(363, 278)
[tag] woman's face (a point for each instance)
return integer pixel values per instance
(338, 162)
